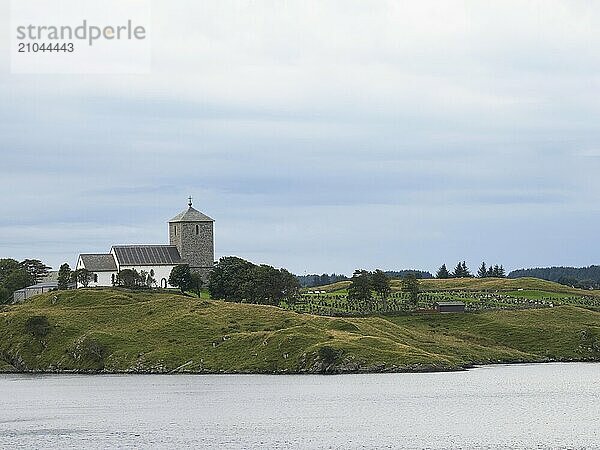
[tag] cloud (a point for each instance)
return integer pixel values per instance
(322, 136)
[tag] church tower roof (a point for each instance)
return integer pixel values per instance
(191, 215)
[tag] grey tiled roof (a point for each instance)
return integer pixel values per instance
(103, 262)
(191, 215)
(450, 303)
(142, 255)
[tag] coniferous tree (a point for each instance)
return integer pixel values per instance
(501, 272)
(465, 270)
(35, 268)
(64, 276)
(443, 272)
(482, 272)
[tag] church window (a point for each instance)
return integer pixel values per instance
(95, 278)
(197, 230)
(175, 229)
(163, 283)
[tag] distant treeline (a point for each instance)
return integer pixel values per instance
(319, 280)
(404, 273)
(582, 277)
(324, 279)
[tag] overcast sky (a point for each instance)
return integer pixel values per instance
(321, 136)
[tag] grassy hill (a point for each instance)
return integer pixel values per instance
(476, 284)
(117, 331)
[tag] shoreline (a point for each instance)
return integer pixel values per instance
(422, 370)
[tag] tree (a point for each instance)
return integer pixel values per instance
(410, 284)
(458, 271)
(462, 271)
(17, 279)
(360, 288)
(381, 285)
(5, 296)
(7, 265)
(501, 272)
(197, 283)
(482, 272)
(83, 277)
(131, 278)
(229, 277)
(35, 268)
(443, 272)
(497, 271)
(150, 280)
(64, 276)
(181, 277)
(235, 279)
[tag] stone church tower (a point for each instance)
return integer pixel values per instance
(192, 233)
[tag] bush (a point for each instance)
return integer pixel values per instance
(328, 355)
(38, 326)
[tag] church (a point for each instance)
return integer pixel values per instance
(191, 242)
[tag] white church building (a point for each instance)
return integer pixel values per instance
(191, 242)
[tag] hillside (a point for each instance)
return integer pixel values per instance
(478, 284)
(116, 331)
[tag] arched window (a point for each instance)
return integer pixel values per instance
(95, 278)
(163, 283)
(197, 229)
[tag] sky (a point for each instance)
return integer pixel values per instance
(322, 136)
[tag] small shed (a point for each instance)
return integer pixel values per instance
(450, 307)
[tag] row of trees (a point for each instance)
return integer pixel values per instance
(15, 275)
(462, 271)
(319, 280)
(237, 280)
(364, 284)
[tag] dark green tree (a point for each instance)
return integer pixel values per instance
(443, 272)
(411, 285)
(7, 265)
(181, 277)
(17, 279)
(229, 278)
(462, 271)
(130, 278)
(197, 283)
(458, 271)
(359, 292)
(83, 277)
(5, 296)
(36, 269)
(235, 279)
(482, 272)
(381, 285)
(64, 276)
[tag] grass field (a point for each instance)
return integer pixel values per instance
(477, 293)
(118, 331)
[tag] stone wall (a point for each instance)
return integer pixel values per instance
(196, 249)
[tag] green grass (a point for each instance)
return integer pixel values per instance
(119, 331)
(474, 284)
